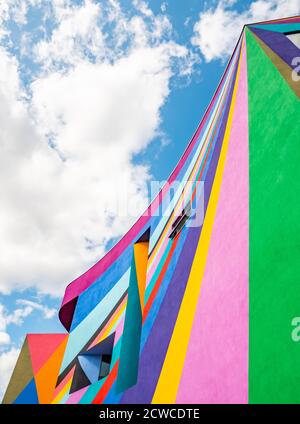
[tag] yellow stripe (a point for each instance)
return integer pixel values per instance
(167, 386)
(140, 251)
(111, 324)
(63, 392)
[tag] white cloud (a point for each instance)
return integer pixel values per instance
(164, 6)
(218, 27)
(48, 313)
(70, 139)
(7, 363)
(16, 11)
(76, 36)
(4, 338)
(17, 316)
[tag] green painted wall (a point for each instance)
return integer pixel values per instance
(274, 144)
(130, 348)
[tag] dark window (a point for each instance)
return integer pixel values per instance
(93, 364)
(180, 220)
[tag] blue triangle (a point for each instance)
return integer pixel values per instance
(28, 395)
(91, 366)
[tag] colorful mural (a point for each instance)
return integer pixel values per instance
(189, 311)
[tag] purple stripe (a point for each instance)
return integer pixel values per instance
(279, 43)
(153, 355)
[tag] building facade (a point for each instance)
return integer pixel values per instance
(198, 302)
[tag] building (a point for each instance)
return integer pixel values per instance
(198, 302)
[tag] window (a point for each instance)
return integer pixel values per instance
(180, 220)
(93, 364)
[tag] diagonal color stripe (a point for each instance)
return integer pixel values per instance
(168, 382)
(216, 364)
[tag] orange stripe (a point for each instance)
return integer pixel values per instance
(107, 385)
(158, 282)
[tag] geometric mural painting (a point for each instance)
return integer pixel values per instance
(194, 304)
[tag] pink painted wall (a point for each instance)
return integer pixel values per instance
(216, 365)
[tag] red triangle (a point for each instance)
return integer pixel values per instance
(42, 346)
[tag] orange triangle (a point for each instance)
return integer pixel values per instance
(46, 378)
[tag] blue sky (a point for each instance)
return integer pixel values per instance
(94, 95)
